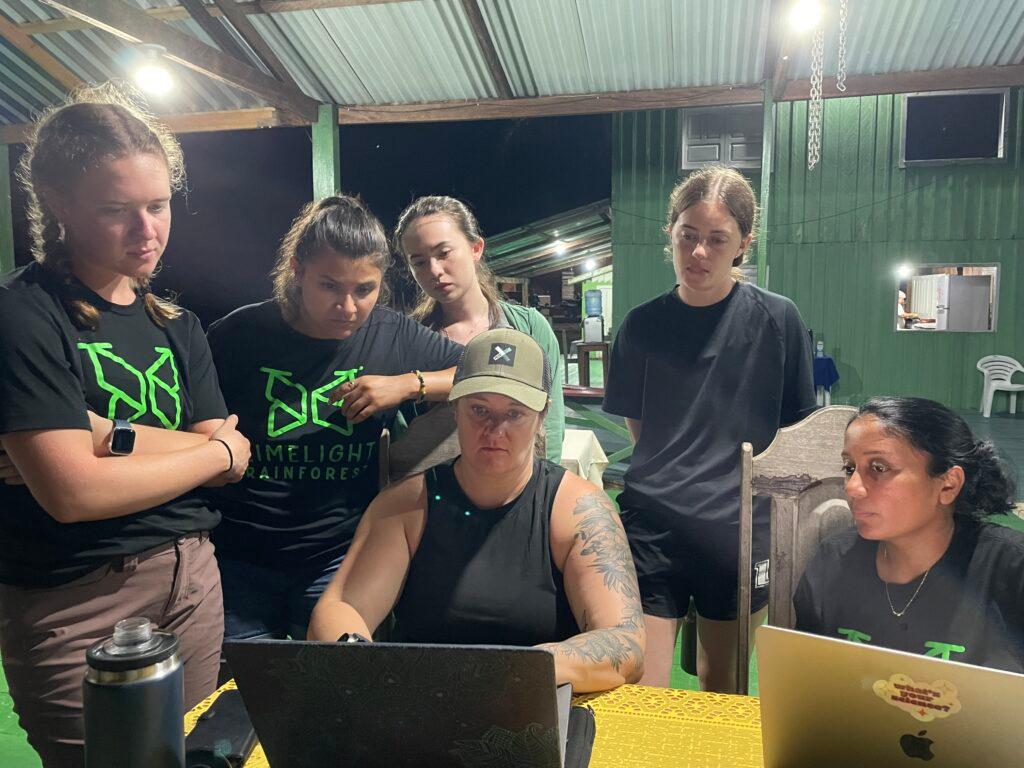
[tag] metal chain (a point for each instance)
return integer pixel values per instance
(814, 108)
(841, 68)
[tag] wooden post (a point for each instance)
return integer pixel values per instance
(6, 212)
(326, 153)
(767, 147)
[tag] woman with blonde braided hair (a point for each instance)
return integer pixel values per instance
(110, 417)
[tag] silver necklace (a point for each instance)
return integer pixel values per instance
(473, 329)
(913, 597)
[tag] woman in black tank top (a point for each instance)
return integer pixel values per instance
(496, 547)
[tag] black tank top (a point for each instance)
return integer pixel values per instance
(485, 576)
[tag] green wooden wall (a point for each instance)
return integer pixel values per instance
(646, 149)
(837, 234)
(645, 162)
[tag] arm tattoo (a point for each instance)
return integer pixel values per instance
(617, 646)
(606, 543)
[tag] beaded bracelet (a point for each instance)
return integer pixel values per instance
(422, 396)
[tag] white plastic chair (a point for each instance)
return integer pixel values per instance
(998, 370)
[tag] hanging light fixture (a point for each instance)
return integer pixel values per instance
(805, 15)
(151, 74)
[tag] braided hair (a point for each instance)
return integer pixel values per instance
(98, 123)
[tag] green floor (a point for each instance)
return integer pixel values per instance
(14, 750)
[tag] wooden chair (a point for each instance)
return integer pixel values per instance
(803, 474)
(428, 441)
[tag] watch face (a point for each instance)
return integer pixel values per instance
(122, 441)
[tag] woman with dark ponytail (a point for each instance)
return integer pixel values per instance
(110, 416)
(923, 571)
(315, 374)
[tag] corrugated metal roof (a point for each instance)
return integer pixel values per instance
(95, 56)
(885, 36)
(552, 244)
(401, 52)
(564, 46)
(425, 50)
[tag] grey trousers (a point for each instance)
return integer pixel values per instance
(45, 632)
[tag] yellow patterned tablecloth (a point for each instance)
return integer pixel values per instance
(647, 728)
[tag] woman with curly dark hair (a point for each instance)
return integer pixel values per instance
(923, 571)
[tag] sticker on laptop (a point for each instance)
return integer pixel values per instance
(922, 701)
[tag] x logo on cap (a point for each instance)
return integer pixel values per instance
(503, 354)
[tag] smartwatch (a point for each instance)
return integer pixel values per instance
(122, 438)
(352, 637)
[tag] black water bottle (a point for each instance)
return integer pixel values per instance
(134, 699)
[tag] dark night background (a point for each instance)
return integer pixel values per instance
(244, 188)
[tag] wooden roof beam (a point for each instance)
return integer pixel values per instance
(483, 39)
(212, 27)
(192, 122)
(778, 48)
(130, 23)
(912, 82)
(17, 37)
(239, 19)
(547, 106)
(180, 13)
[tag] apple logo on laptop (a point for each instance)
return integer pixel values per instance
(917, 746)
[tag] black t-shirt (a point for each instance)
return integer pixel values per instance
(312, 472)
(703, 380)
(52, 373)
(970, 608)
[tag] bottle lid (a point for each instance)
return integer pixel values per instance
(134, 645)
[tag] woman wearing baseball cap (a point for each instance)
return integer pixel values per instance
(497, 546)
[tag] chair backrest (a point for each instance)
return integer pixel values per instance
(999, 367)
(802, 472)
(429, 440)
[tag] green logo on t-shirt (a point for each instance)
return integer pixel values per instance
(932, 647)
(292, 405)
(160, 376)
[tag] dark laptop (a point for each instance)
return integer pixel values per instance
(390, 704)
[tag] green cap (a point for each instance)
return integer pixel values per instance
(506, 362)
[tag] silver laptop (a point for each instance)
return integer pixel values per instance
(828, 702)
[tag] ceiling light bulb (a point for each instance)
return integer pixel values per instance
(805, 15)
(154, 79)
(150, 73)
(590, 265)
(560, 247)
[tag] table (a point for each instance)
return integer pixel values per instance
(583, 350)
(583, 454)
(825, 377)
(642, 727)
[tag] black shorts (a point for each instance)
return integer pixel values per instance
(680, 558)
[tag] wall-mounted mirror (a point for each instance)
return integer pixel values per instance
(947, 297)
